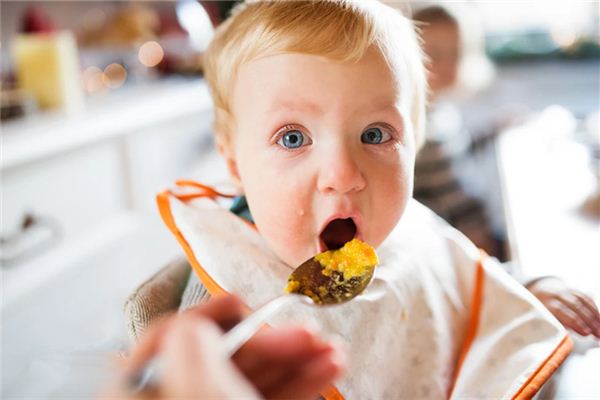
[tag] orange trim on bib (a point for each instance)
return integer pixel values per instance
(476, 298)
(206, 191)
(331, 393)
(542, 373)
(545, 371)
(164, 208)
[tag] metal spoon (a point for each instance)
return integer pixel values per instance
(316, 282)
(326, 280)
(313, 282)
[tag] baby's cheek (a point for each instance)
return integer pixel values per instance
(393, 193)
(280, 218)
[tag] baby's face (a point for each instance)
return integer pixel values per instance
(322, 151)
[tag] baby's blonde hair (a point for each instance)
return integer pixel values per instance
(341, 30)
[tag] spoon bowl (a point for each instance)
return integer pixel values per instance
(335, 276)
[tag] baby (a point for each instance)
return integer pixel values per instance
(319, 112)
(319, 119)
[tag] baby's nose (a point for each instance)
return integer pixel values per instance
(341, 174)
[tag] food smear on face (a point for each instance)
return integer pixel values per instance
(335, 276)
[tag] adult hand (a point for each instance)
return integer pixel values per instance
(572, 308)
(289, 362)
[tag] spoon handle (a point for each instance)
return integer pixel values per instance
(242, 332)
(234, 339)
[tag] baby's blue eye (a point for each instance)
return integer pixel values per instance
(292, 139)
(372, 136)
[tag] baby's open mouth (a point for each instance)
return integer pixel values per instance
(337, 233)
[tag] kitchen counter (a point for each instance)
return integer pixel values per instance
(104, 117)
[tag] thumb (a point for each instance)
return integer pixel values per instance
(196, 365)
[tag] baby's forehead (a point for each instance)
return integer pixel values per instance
(312, 84)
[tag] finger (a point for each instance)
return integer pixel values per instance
(196, 365)
(268, 376)
(592, 309)
(584, 317)
(226, 311)
(590, 316)
(185, 355)
(269, 347)
(567, 317)
(587, 300)
(278, 344)
(270, 356)
(312, 378)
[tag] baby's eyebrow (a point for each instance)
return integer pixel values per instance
(313, 108)
(304, 106)
(377, 103)
(383, 102)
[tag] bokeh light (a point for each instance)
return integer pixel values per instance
(563, 38)
(150, 54)
(93, 79)
(114, 75)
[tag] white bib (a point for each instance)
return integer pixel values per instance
(434, 323)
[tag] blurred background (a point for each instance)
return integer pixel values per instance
(103, 105)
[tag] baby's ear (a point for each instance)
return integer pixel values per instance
(226, 150)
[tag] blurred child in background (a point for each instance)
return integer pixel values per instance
(438, 180)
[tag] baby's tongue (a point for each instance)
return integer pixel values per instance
(338, 232)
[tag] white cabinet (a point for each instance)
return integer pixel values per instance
(78, 189)
(81, 171)
(95, 175)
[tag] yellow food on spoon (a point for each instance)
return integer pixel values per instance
(335, 276)
(353, 259)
